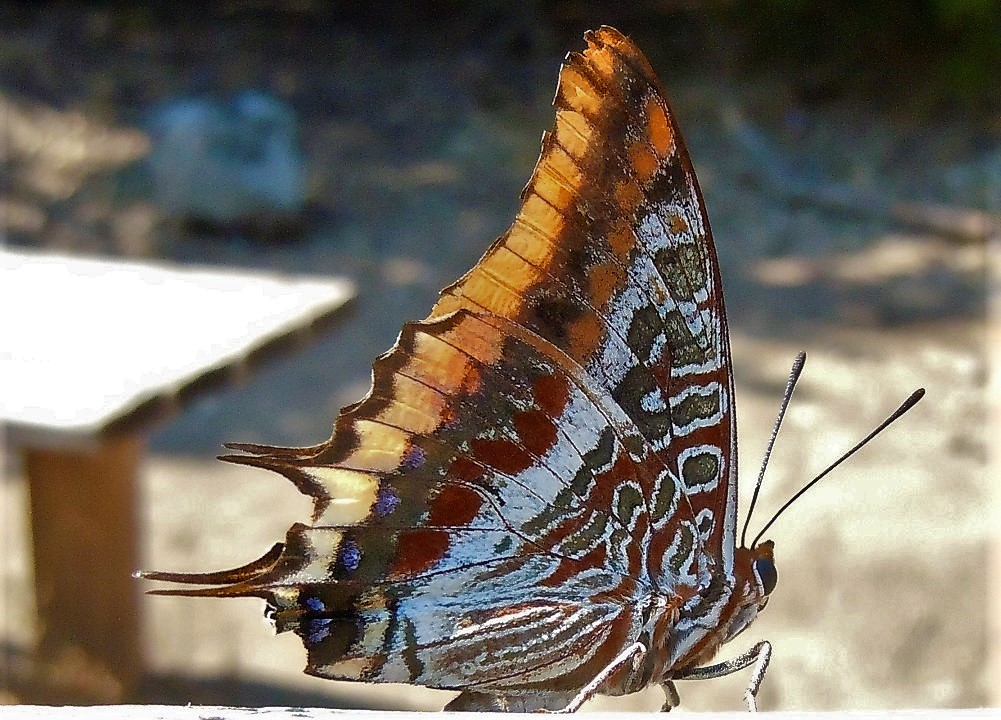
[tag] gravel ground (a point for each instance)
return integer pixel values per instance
(417, 161)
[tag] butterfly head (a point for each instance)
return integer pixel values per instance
(756, 579)
(763, 566)
(755, 575)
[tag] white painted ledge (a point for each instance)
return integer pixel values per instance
(86, 341)
(194, 712)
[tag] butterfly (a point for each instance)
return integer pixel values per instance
(536, 501)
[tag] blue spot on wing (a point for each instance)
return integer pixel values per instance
(414, 458)
(314, 603)
(318, 630)
(350, 555)
(386, 502)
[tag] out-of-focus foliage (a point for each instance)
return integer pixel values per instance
(923, 56)
(973, 62)
(950, 48)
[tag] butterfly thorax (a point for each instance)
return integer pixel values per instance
(722, 611)
(657, 614)
(687, 629)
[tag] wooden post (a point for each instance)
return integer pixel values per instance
(83, 525)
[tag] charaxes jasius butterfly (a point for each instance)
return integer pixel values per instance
(537, 500)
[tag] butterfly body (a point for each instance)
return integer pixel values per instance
(537, 498)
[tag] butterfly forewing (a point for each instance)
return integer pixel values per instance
(611, 260)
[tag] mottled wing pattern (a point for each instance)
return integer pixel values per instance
(611, 259)
(481, 489)
(553, 443)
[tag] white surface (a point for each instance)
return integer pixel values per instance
(194, 712)
(85, 341)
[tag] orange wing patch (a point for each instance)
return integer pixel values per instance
(588, 93)
(659, 131)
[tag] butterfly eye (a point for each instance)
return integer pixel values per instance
(766, 572)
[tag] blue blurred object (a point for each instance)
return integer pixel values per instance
(228, 164)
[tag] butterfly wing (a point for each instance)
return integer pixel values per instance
(477, 520)
(534, 456)
(611, 259)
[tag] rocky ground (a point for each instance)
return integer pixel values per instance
(417, 156)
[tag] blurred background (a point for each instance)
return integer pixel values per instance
(851, 163)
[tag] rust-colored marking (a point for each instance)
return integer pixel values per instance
(634, 553)
(454, 505)
(568, 568)
(660, 541)
(615, 637)
(502, 455)
(417, 551)
(602, 492)
(465, 469)
(661, 370)
(551, 394)
(603, 280)
(433, 442)
(585, 334)
(536, 430)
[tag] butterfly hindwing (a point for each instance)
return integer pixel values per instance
(502, 495)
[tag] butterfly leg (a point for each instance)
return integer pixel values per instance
(673, 699)
(591, 689)
(758, 656)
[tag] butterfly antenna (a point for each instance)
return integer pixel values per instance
(797, 370)
(904, 407)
